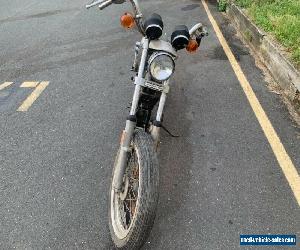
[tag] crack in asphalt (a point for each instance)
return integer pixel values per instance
(38, 15)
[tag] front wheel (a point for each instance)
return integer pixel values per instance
(132, 211)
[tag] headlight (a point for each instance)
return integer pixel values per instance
(161, 66)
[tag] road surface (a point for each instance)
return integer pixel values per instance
(220, 179)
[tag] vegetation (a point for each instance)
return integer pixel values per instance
(281, 18)
(222, 4)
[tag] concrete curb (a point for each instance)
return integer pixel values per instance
(282, 70)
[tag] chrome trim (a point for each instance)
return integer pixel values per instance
(138, 16)
(138, 79)
(161, 105)
(161, 45)
(154, 25)
(180, 36)
(154, 85)
(155, 55)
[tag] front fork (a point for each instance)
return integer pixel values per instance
(121, 161)
(155, 127)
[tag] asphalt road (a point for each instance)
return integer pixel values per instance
(220, 179)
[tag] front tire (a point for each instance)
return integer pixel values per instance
(132, 211)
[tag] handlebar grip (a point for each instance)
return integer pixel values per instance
(105, 4)
(93, 4)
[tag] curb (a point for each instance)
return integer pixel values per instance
(282, 70)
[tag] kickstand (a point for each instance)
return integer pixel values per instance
(172, 135)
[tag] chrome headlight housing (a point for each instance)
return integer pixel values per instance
(161, 66)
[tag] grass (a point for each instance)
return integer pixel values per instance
(222, 4)
(281, 18)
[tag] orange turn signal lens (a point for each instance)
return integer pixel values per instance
(192, 46)
(127, 21)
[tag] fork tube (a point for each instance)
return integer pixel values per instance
(161, 106)
(155, 130)
(138, 80)
(162, 101)
(130, 123)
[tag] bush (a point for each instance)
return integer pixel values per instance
(222, 5)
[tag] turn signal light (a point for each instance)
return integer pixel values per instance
(192, 46)
(127, 21)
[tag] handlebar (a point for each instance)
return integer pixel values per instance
(198, 30)
(102, 4)
(105, 4)
(93, 4)
(137, 12)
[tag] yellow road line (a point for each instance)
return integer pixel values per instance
(5, 85)
(33, 96)
(280, 153)
(29, 84)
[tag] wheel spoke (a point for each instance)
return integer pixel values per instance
(128, 205)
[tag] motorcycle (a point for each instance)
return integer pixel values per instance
(133, 194)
